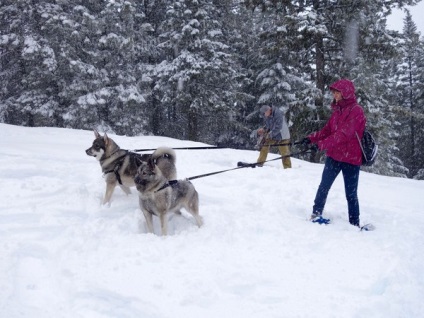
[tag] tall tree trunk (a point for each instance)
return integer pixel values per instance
(319, 62)
(192, 125)
(412, 106)
(320, 65)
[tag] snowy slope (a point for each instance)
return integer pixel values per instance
(62, 254)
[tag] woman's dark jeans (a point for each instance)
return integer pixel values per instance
(351, 176)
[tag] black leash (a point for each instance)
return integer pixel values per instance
(283, 144)
(184, 148)
(218, 147)
(172, 182)
(251, 165)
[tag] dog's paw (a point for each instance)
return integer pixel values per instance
(105, 203)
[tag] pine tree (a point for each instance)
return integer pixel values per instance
(409, 89)
(279, 72)
(195, 80)
(102, 88)
(29, 66)
(239, 28)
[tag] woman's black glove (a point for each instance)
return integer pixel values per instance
(313, 147)
(305, 141)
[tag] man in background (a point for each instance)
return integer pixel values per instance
(274, 132)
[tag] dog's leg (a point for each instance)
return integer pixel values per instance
(198, 218)
(110, 187)
(149, 220)
(164, 223)
(193, 209)
(126, 189)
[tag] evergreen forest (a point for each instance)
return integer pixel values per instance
(200, 69)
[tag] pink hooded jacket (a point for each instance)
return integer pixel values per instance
(338, 137)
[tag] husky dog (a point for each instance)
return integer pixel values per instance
(160, 196)
(120, 166)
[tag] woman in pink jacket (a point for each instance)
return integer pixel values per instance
(339, 141)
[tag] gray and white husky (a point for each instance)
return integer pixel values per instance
(158, 196)
(120, 166)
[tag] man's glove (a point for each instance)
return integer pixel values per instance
(305, 141)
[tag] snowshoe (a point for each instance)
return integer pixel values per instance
(320, 220)
(367, 227)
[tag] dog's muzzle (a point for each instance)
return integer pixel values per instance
(139, 181)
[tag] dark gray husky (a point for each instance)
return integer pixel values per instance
(120, 166)
(158, 197)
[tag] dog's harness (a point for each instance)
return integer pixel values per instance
(117, 167)
(167, 184)
(120, 161)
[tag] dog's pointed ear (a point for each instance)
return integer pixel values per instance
(151, 163)
(96, 133)
(106, 139)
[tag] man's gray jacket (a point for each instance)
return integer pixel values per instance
(277, 126)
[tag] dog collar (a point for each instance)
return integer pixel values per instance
(167, 184)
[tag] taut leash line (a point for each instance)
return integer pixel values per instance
(251, 165)
(218, 147)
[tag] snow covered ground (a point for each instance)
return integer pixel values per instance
(64, 255)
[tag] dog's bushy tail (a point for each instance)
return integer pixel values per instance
(165, 158)
(165, 152)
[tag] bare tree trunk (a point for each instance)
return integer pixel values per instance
(320, 64)
(412, 106)
(193, 129)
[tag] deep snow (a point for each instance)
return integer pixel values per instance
(62, 254)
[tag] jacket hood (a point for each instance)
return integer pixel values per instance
(346, 87)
